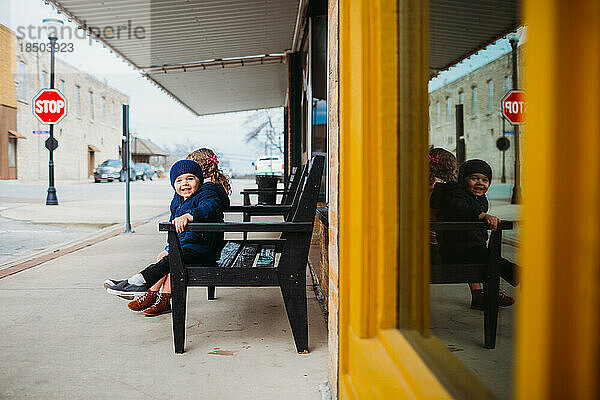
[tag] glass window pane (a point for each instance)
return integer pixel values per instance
(452, 320)
(12, 152)
(91, 105)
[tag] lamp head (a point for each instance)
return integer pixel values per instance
(53, 25)
(514, 38)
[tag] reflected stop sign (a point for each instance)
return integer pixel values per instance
(514, 107)
(49, 106)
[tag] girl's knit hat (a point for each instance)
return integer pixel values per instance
(474, 166)
(185, 167)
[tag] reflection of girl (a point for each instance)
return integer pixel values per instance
(442, 169)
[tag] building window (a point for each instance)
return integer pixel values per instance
(490, 96)
(508, 82)
(461, 97)
(21, 84)
(447, 108)
(91, 105)
(44, 80)
(103, 108)
(12, 152)
(112, 109)
(78, 100)
(474, 104)
(61, 86)
(437, 112)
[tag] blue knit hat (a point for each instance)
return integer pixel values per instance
(186, 167)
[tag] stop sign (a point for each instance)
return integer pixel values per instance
(514, 106)
(49, 106)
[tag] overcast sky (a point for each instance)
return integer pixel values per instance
(155, 115)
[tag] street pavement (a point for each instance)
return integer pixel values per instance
(64, 337)
(28, 227)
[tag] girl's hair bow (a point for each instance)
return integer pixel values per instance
(212, 159)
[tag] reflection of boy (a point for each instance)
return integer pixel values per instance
(197, 201)
(466, 201)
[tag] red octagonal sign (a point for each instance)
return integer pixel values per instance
(49, 106)
(514, 107)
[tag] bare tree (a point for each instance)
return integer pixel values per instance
(261, 126)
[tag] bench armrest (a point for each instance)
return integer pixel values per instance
(259, 191)
(260, 209)
(241, 227)
(468, 226)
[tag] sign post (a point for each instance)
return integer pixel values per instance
(49, 106)
(514, 109)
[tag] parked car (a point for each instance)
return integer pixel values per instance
(110, 170)
(139, 171)
(149, 172)
(269, 165)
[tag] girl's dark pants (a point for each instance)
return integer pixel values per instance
(154, 272)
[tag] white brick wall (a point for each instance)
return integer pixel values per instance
(483, 127)
(75, 132)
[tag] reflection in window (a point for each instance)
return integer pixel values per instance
(474, 104)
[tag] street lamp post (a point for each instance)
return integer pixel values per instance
(52, 25)
(516, 194)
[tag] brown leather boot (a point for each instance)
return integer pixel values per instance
(478, 299)
(505, 300)
(140, 303)
(161, 306)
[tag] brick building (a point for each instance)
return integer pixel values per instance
(90, 133)
(480, 92)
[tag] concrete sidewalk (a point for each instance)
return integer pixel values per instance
(63, 336)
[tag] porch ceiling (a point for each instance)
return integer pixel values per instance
(185, 33)
(188, 44)
(460, 28)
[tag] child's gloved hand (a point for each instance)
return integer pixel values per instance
(181, 222)
(490, 220)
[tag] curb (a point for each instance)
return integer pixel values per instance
(32, 260)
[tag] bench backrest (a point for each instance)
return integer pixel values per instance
(308, 193)
(292, 185)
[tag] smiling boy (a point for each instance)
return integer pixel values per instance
(198, 201)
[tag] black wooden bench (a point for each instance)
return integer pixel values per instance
(252, 262)
(288, 192)
(489, 274)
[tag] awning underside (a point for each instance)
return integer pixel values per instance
(187, 32)
(226, 89)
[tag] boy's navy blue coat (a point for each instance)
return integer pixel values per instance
(455, 204)
(206, 205)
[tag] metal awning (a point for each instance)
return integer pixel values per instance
(158, 34)
(15, 135)
(460, 28)
(200, 51)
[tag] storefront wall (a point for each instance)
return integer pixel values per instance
(379, 234)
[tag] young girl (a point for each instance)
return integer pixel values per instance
(156, 300)
(442, 169)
